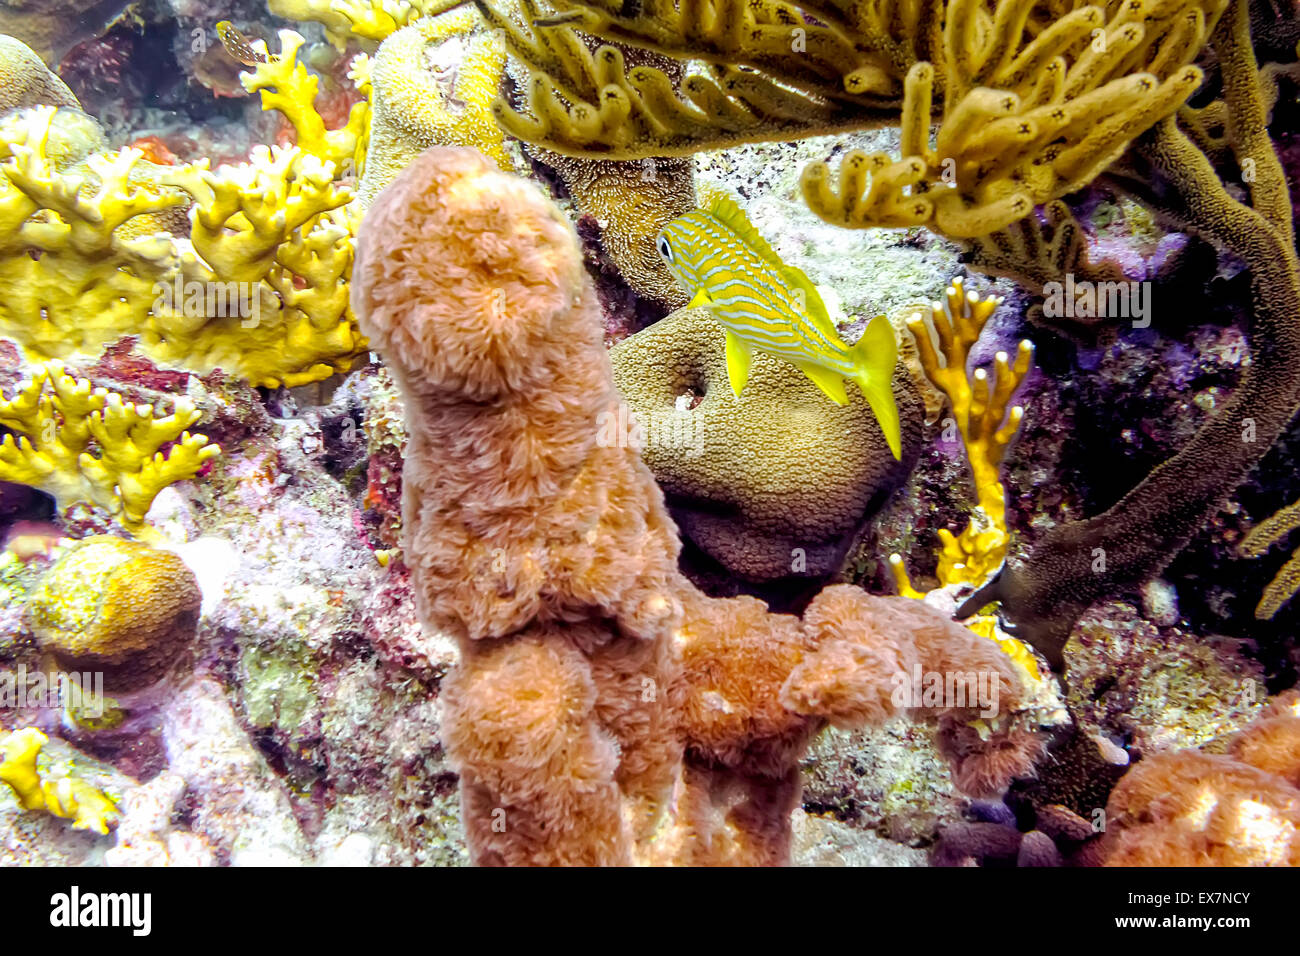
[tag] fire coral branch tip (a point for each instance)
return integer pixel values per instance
(286, 86)
(66, 797)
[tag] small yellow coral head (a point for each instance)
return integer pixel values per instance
(116, 606)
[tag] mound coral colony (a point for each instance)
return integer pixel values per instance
(717, 432)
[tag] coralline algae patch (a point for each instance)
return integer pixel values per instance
(1159, 687)
(291, 634)
(890, 781)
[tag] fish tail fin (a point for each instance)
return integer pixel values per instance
(874, 357)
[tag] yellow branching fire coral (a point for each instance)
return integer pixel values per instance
(66, 797)
(370, 20)
(287, 86)
(981, 417)
(256, 288)
(980, 412)
(90, 447)
(275, 227)
(68, 280)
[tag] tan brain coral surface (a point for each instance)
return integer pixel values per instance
(26, 81)
(772, 483)
(117, 606)
(632, 200)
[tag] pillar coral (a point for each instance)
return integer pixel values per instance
(603, 710)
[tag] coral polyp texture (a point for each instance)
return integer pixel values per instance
(122, 608)
(433, 84)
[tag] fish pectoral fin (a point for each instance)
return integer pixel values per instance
(700, 300)
(832, 383)
(739, 358)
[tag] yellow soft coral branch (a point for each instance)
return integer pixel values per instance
(999, 152)
(56, 425)
(67, 797)
(1032, 99)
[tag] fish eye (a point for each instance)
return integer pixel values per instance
(665, 249)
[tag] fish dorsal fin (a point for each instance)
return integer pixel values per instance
(723, 208)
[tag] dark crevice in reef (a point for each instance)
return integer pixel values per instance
(783, 596)
(134, 65)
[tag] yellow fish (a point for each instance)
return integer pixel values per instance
(719, 257)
